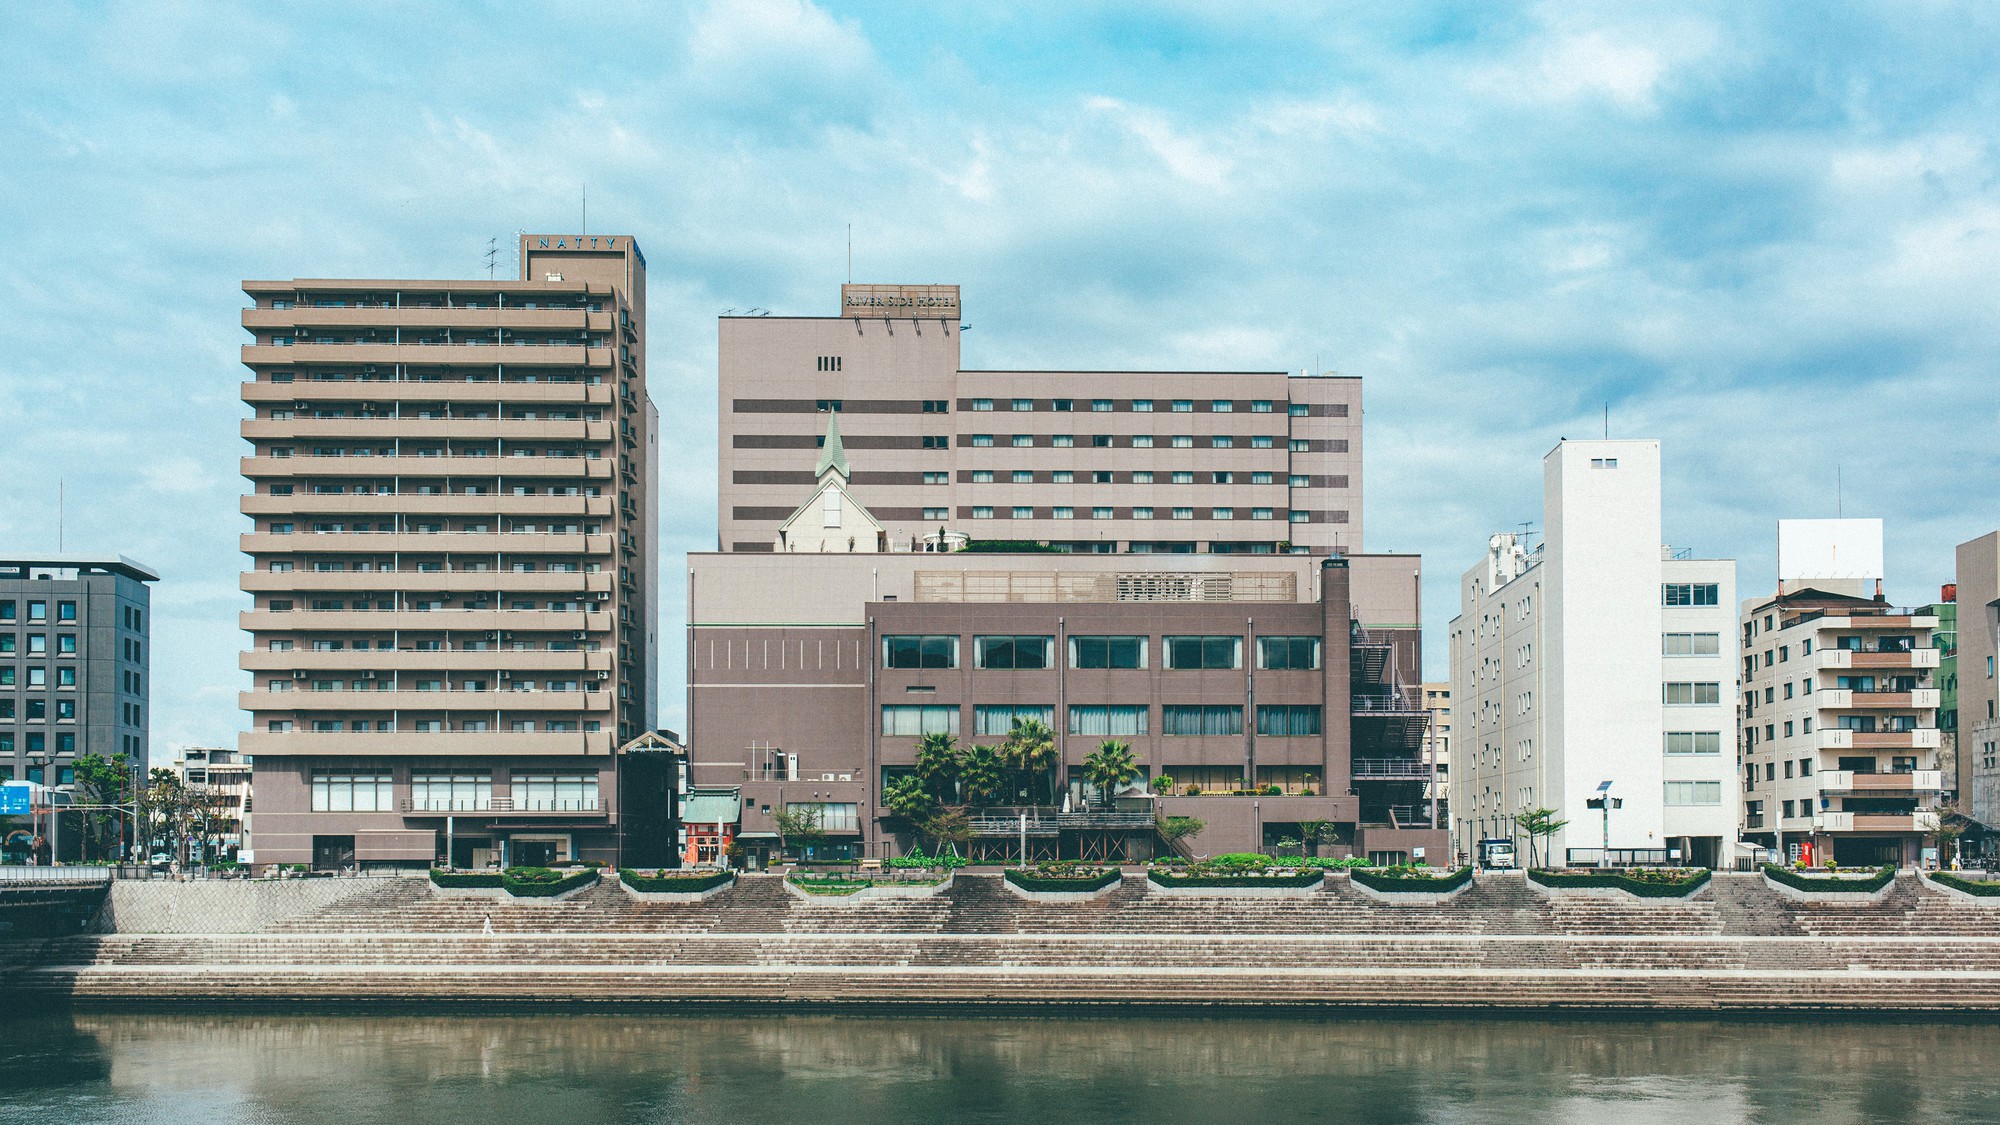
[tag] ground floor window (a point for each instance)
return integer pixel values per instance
(353, 791)
(556, 792)
(463, 791)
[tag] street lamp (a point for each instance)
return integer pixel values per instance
(1605, 802)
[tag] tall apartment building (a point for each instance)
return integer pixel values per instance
(1274, 691)
(1978, 733)
(1839, 711)
(1093, 461)
(75, 663)
(451, 558)
(1600, 656)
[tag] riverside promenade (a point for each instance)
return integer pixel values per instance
(1501, 945)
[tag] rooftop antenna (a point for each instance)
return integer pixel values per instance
(1607, 420)
(492, 257)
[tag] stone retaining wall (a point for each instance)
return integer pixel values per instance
(217, 906)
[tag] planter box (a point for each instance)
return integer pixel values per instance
(706, 892)
(1386, 889)
(1979, 891)
(468, 884)
(876, 891)
(1610, 885)
(1829, 889)
(469, 892)
(567, 887)
(1303, 885)
(1085, 890)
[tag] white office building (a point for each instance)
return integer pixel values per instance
(1598, 656)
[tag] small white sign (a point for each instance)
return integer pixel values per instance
(1416, 853)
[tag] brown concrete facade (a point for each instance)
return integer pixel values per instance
(1111, 461)
(793, 696)
(451, 550)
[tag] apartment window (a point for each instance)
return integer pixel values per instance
(997, 720)
(1142, 513)
(7, 609)
(1100, 513)
(937, 513)
(1024, 512)
(1100, 405)
(469, 791)
(937, 441)
(1297, 516)
(1204, 652)
(38, 611)
(982, 511)
(1690, 644)
(1260, 477)
(1222, 513)
(1300, 445)
(1693, 793)
(1288, 721)
(1114, 720)
(900, 720)
(920, 652)
(1142, 476)
(1062, 441)
(1260, 513)
(1142, 406)
(1183, 441)
(353, 790)
(1062, 512)
(1183, 476)
(556, 792)
(1063, 476)
(66, 644)
(1100, 441)
(1184, 406)
(1107, 652)
(1692, 693)
(1261, 441)
(1287, 653)
(1022, 404)
(1297, 410)
(982, 441)
(1689, 594)
(1197, 721)
(1022, 476)
(982, 404)
(1694, 742)
(1013, 652)
(1022, 441)
(1260, 406)
(937, 406)
(1065, 404)
(1142, 441)
(1183, 513)
(65, 611)
(937, 478)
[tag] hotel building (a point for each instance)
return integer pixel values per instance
(451, 560)
(1598, 657)
(1091, 461)
(75, 663)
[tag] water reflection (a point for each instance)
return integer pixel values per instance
(579, 1070)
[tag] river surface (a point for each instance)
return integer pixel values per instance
(579, 1070)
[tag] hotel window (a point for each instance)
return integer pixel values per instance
(1297, 410)
(1694, 742)
(982, 476)
(1024, 512)
(1063, 441)
(982, 404)
(1107, 652)
(1100, 405)
(470, 791)
(1142, 441)
(1184, 406)
(1183, 513)
(1260, 478)
(1299, 480)
(1684, 793)
(1280, 654)
(1100, 476)
(1260, 406)
(1183, 476)
(1013, 653)
(1142, 476)
(1300, 445)
(353, 791)
(1221, 406)
(1062, 512)
(1100, 441)
(1183, 441)
(1117, 720)
(1222, 513)
(901, 720)
(938, 442)
(1065, 404)
(1100, 513)
(1188, 653)
(1142, 513)
(556, 792)
(1288, 721)
(937, 406)
(1023, 441)
(1261, 441)
(920, 651)
(982, 441)
(1690, 644)
(1023, 476)
(997, 720)
(1021, 404)
(1222, 441)
(1063, 476)
(1260, 513)
(1692, 694)
(1197, 720)
(1142, 406)
(1223, 478)
(937, 513)
(937, 478)
(1301, 517)
(1689, 594)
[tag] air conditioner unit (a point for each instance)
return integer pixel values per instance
(826, 777)
(506, 675)
(576, 636)
(602, 676)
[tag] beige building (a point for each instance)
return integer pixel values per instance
(225, 776)
(1093, 461)
(451, 568)
(1978, 689)
(1437, 701)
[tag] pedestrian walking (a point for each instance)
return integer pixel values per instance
(487, 929)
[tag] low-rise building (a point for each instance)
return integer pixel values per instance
(222, 777)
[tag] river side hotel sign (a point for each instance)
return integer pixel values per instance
(882, 302)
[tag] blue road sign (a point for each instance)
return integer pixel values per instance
(14, 799)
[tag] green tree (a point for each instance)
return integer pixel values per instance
(1030, 749)
(1175, 829)
(1163, 785)
(1538, 823)
(1947, 824)
(1111, 765)
(1314, 832)
(947, 829)
(799, 826)
(905, 796)
(104, 781)
(982, 774)
(938, 765)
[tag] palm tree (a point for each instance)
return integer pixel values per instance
(938, 764)
(1031, 748)
(983, 773)
(1111, 765)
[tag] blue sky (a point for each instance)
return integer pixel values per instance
(1767, 234)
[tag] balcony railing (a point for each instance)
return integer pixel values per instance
(442, 805)
(1365, 769)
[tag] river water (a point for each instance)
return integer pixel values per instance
(578, 1070)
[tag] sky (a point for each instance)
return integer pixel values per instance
(1766, 234)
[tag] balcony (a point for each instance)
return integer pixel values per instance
(434, 429)
(1848, 781)
(435, 543)
(1390, 769)
(428, 355)
(504, 805)
(428, 621)
(1837, 738)
(471, 319)
(475, 468)
(1838, 659)
(1921, 821)
(406, 744)
(575, 583)
(411, 660)
(306, 505)
(358, 699)
(411, 390)
(1844, 699)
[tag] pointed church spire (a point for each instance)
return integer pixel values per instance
(832, 454)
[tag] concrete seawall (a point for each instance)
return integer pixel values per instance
(1498, 947)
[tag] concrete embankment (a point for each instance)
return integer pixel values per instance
(1500, 946)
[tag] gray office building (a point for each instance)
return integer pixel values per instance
(74, 669)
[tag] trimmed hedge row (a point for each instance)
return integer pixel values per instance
(541, 882)
(1030, 881)
(1978, 887)
(1419, 884)
(464, 878)
(1800, 882)
(1639, 887)
(675, 884)
(1302, 879)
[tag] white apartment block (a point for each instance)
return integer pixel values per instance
(1599, 656)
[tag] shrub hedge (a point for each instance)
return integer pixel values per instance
(1394, 879)
(541, 882)
(1243, 878)
(1642, 887)
(675, 884)
(1797, 881)
(918, 861)
(464, 878)
(1047, 879)
(1970, 886)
